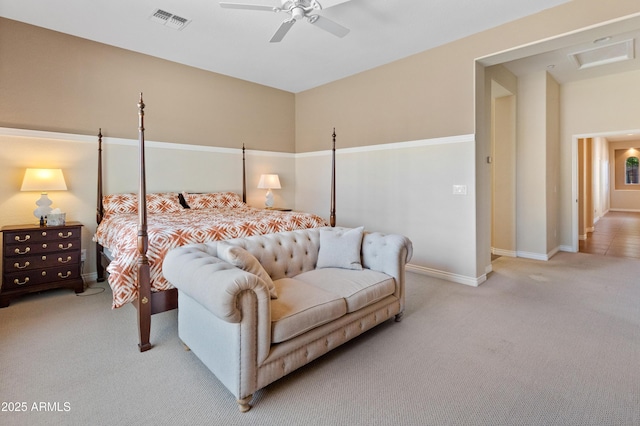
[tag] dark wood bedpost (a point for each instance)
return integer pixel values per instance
(144, 281)
(244, 178)
(332, 216)
(99, 211)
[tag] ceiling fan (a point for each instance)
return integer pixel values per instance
(298, 9)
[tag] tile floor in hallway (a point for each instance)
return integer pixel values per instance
(615, 234)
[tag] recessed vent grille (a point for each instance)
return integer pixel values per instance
(621, 51)
(168, 19)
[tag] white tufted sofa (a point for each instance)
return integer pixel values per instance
(229, 319)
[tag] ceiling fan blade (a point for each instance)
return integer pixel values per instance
(282, 30)
(330, 3)
(247, 6)
(329, 25)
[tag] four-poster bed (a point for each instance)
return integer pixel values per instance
(167, 220)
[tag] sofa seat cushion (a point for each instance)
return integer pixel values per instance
(358, 288)
(301, 307)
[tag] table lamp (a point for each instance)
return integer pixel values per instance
(269, 182)
(43, 180)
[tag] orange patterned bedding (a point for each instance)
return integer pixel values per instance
(210, 217)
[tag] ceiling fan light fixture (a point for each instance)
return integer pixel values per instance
(297, 13)
(298, 9)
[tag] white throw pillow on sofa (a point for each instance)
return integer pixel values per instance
(340, 248)
(241, 258)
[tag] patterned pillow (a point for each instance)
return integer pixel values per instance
(214, 200)
(163, 202)
(120, 204)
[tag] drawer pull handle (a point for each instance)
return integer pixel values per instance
(27, 250)
(17, 282)
(61, 260)
(17, 265)
(61, 247)
(22, 240)
(69, 235)
(68, 274)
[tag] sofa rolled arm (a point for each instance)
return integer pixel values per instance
(214, 283)
(388, 253)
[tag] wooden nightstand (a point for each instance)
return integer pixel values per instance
(278, 209)
(36, 258)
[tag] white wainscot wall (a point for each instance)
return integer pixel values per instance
(404, 188)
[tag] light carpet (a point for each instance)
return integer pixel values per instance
(539, 343)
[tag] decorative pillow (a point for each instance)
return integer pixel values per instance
(183, 202)
(340, 248)
(120, 204)
(162, 202)
(214, 200)
(239, 257)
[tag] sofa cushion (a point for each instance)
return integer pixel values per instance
(358, 288)
(302, 307)
(239, 257)
(340, 248)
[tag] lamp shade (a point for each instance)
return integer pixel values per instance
(43, 180)
(269, 182)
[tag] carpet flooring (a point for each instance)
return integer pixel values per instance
(539, 343)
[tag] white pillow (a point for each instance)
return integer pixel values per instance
(340, 248)
(241, 258)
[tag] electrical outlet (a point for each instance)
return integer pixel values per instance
(83, 255)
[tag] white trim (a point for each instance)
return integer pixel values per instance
(90, 277)
(625, 210)
(534, 256)
(38, 134)
(539, 256)
(393, 145)
(6, 131)
(568, 249)
(508, 54)
(502, 252)
(448, 276)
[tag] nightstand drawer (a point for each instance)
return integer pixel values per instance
(27, 263)
(39, 276)
(22, 250)
(40, 235)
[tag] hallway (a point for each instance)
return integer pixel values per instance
(615, 234)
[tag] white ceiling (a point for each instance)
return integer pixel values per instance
(236, 42)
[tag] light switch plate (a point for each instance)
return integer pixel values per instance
(459, 189)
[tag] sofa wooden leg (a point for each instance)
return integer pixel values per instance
(186, 348)
(399, 316)
(243, 404)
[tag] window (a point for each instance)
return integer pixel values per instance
(631, 170)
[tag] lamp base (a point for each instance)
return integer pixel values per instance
(44, 206)
(268, 201)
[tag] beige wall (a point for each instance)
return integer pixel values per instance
(430, 94)
(623, 197)
(170, 167)
(55, 82)
(60, 83)
(620, 157)
(591, 108)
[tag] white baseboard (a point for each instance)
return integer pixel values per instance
(90, 277)
(502, 252)
(448, 276)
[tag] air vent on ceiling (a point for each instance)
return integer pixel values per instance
(616, 52)
(168, 19)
